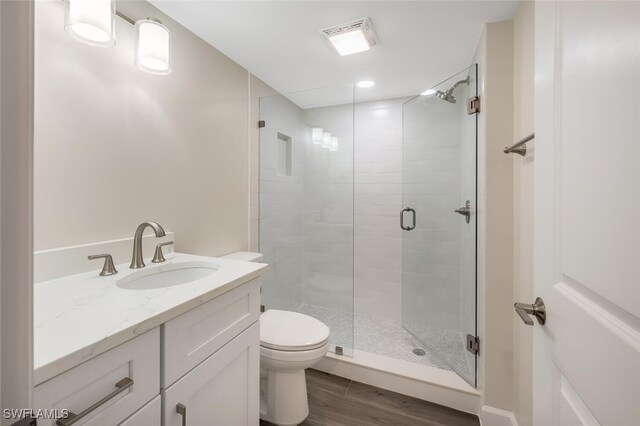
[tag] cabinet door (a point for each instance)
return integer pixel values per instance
(149, 415)
(223, 390)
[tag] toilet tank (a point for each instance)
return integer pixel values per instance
(246, 256)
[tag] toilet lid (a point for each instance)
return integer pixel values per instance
(291, 331)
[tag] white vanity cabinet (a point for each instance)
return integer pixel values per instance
(206, 360)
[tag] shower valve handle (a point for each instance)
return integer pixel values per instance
(465, 211)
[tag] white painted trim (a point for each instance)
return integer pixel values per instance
(16, 217)
(419, 381)
(492, 416)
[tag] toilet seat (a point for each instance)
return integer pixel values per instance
(291, 331)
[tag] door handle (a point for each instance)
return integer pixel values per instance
(465, 211)
(537, 309)
(182, 410)
(413, 225)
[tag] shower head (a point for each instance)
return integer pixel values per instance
(448, 95)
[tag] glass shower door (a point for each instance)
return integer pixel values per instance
(439, 221)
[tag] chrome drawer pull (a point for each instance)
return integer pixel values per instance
(182, 410)
(121, 386)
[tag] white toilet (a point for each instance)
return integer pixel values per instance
(289, 343)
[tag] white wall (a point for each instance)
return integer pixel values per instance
(523, 73)
(496, 254)
(115, 146)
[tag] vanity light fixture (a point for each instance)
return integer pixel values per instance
(352, 37)
(152, 46)
(91, 21)
(326, 140)
(428, 92)
(365, 84)
(316, 135)
(334, 144)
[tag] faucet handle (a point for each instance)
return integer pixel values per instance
(107, 268)
(158, 257)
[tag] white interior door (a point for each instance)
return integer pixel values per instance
(587, 199)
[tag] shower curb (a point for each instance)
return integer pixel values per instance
(418, 381)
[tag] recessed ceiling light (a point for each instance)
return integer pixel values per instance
(428, 92)
(352, 37)
(365, 84)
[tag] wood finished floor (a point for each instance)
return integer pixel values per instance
(336, 401)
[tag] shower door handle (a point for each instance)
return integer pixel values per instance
(413, 224)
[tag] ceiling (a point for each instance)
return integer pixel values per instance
(420, 43)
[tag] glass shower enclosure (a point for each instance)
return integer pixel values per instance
(439, 221)
(307, 204)
(306, 207)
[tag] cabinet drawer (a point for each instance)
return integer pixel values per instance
(149, 415)
(85, 385)
(222, 391)
(193, 336)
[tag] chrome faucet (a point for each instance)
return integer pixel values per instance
(136, 260)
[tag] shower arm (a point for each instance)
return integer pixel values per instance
(458, 83)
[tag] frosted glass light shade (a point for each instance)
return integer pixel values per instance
(316, 135)
(91, 21)
(334, 144)
(152, 46)
(326, 140)
(350, 42)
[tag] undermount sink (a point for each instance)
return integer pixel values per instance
(169, 275)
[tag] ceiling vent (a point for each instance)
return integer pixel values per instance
(352, 37)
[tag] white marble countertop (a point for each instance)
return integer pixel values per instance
(84, 315)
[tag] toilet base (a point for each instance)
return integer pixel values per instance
(283, 396)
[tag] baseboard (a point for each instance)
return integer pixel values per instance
(419, 381)
(491, 416)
